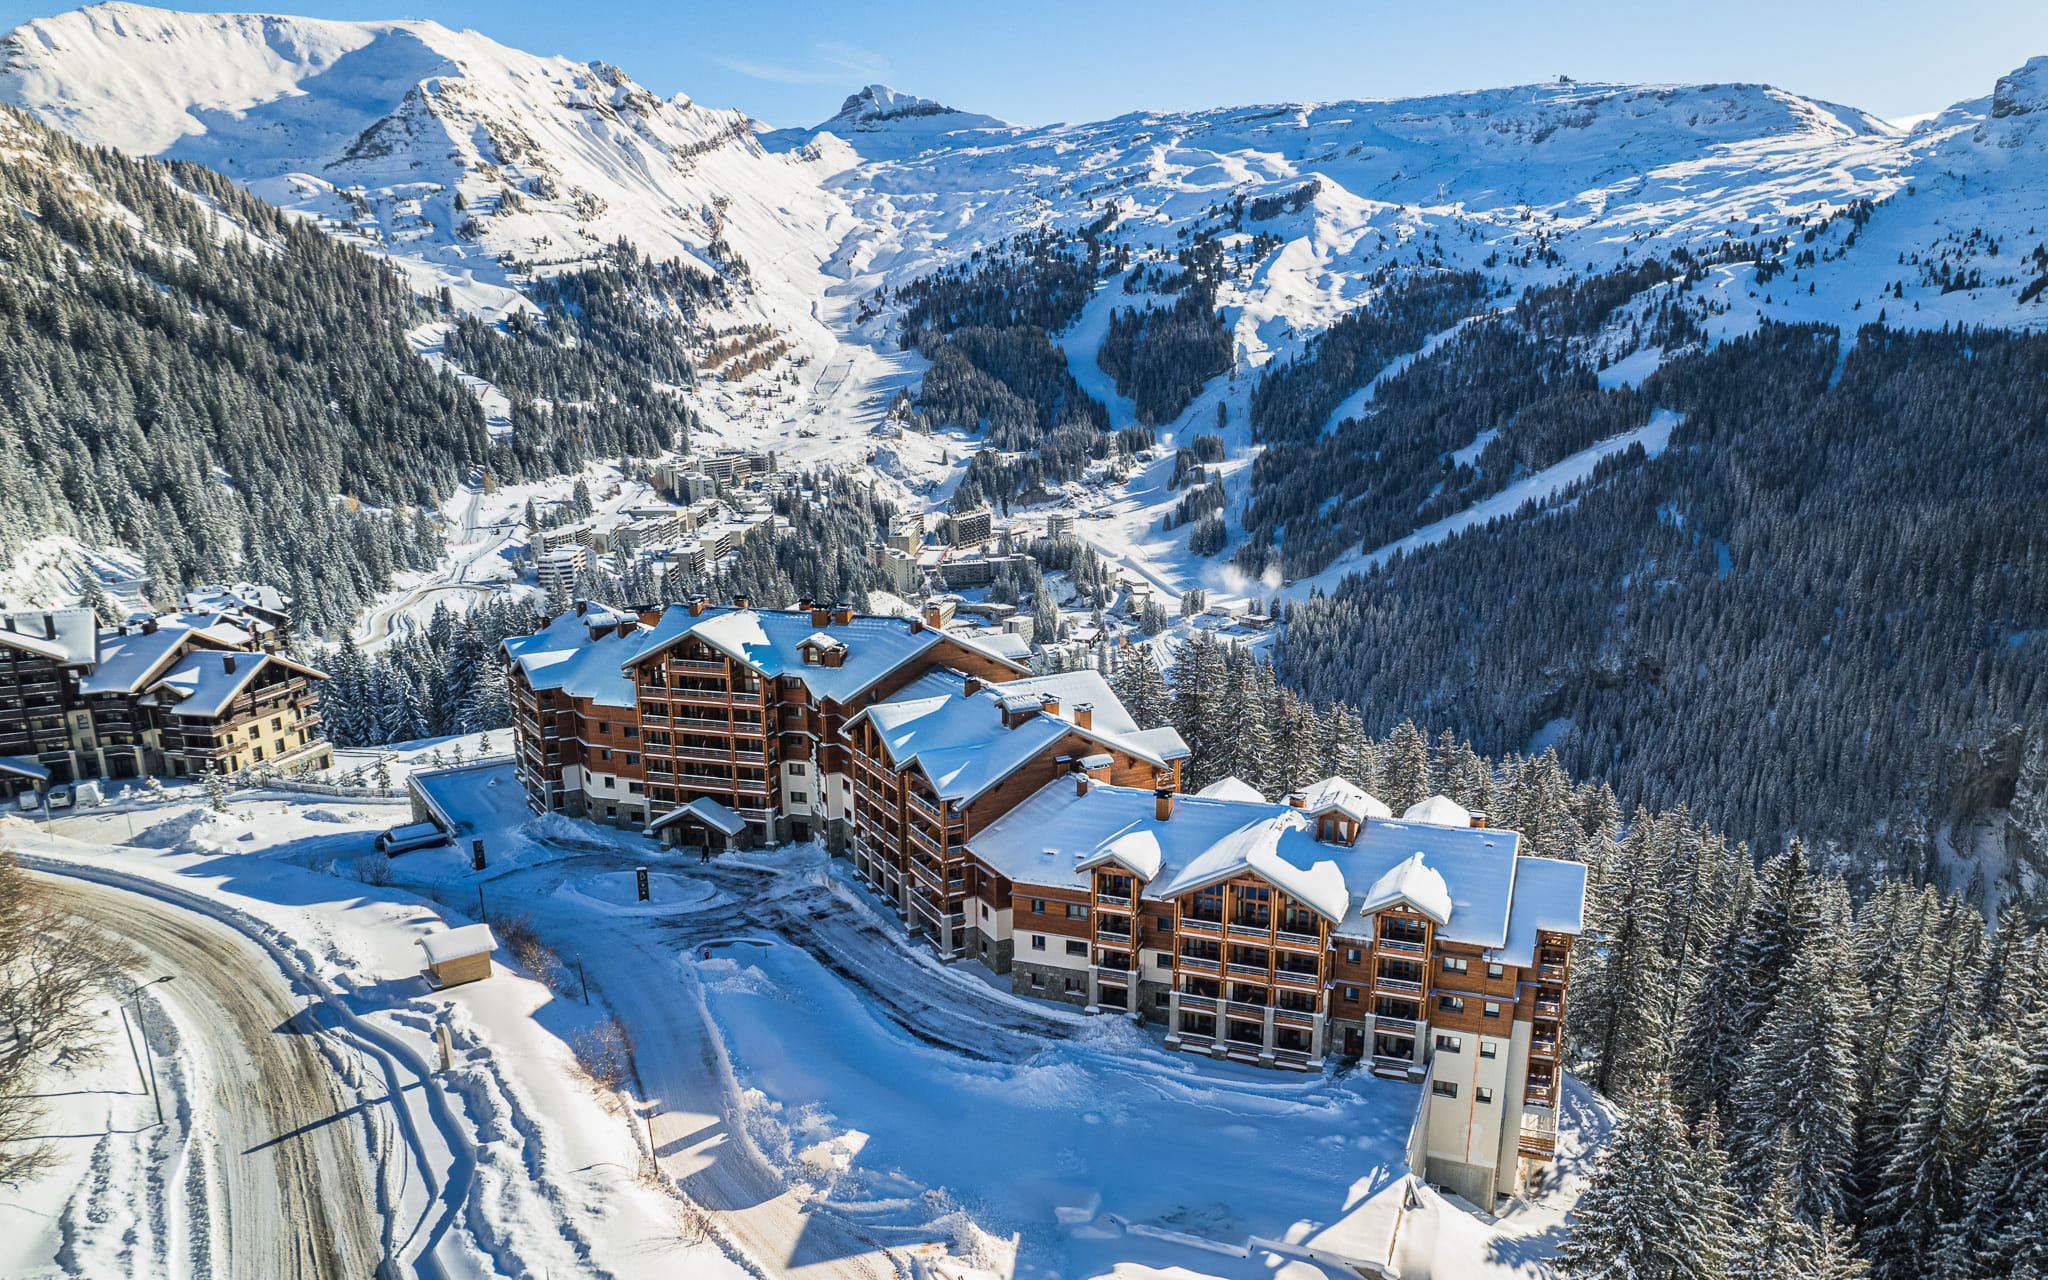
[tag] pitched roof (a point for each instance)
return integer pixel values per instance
(1465, 877)
(1231, 788)
(1341, 795)
(202, 685)
(1438, 811)
(705, 810)
(70, 636)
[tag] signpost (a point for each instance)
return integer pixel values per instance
(641, 873)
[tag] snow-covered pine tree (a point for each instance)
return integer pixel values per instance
(1656, 1207)
(1619, 1012)
(1198, 687)
(1922, 1189)
(1800, 1075)
(1404, 767)
(1142, 692)
(94, 596)
(216, 789)
(2003, 1229)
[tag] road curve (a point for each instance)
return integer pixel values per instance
(296, 1202)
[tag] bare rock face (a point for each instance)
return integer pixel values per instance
(2022, 93)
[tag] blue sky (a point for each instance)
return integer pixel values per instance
(793, 61)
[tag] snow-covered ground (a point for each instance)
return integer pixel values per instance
(842, 1104)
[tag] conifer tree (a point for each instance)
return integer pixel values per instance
(1404, 767)
(1618, 1011)
(1142, 692)
(1655, 1208)
(2003, 1228)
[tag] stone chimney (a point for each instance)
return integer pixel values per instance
(1478, 819)
(1162, 804)
(1084, 714)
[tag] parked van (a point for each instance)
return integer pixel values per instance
(88, 794)
(30, 800)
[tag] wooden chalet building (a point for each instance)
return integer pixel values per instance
(1277, 934)
(165, 696)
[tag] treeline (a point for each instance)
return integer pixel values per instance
(445, 678)
(1820, 610)
(1293, 401)
(1815, 1089)
(1162, 358)
(227, 391)
(588, 375)
(1506, 404)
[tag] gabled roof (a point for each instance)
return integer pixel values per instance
(1232, 788)
(131, 663)
(1438, 811)
(1411, 883)
(1340, 795)
(707, 811)
(201, 685)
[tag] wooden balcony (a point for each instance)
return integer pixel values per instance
(697, 664)
(1401, 985)
(1294, 1018)
(1110, 975)
(1550, 1009)
(1247, 970)
(1404, 946)
(1555, 972)
(1196, 1004)
(1247, 1012)
(1298, 981)
(1298, 941)
(1402, 1026)
(1189, 924)
(1249, 932)
(925, 805)
(1113, 901)
(1197, 964)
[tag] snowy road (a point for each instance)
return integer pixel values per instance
(272, 1180)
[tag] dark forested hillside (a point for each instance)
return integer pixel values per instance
(1822, 609)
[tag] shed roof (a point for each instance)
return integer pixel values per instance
(456, 944)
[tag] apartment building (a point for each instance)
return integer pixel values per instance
(1278, 934)
(947, 758)
(165, 696)
(679, 719)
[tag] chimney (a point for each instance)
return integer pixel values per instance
(1162, 804)
(1478, 819)
(696, 606)
(582, 607)
(149, 626)
(49, 627)
(1049, 704)
(1084, 714)
(916, 626)
(227, 660)
(934, 617)
(1082, 782)
(650, 617)
(1298, 800)
(740, 602)
(843, 614)
(820, 615)
(972, 685)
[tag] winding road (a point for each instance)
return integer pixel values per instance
(283, 1134)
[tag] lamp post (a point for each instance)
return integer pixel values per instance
(135, 998)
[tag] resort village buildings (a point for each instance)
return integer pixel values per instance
(206, 689)
(1027, 824)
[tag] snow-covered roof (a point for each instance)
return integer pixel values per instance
(1464, 877)
(23, 767)
(456, 944)
(1341, 795)
(1231, 788)
(202, 684)
(128, 663)
(1550, 895)
(1438, 811)
(1410, 882)
(705, 810)
(71, 636)
(238, 595)
(962, 746)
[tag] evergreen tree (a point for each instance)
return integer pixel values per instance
(216, 789)
(2003, 1229)
(1655, 1208)
(1618, 1011)
(1404, 768)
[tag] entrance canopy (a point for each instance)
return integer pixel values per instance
(705, 810)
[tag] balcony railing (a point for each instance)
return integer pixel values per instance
(1251, 932)
(1198, 964)
(1543, 1047)
(696, 664)
(1551, 971)
(1294, 1018)
(1112, 975)
(1549, 1009)
(1298, 940)
(1114, 901)
(1299, 981)
(1189, 924)
(1247, 970)
(1197, 1004)
(1240, 1009)
(1534, 1092)
(1398, 984)
(1403, 944)
(1405, 1025)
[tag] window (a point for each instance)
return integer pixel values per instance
(799, 797)
(1488, 1049)
(1495, 971)
(1451, 1004)
(1076, 947)
(796, 770)
(1038, 906)
(1165, 923)
(1038, 979)
(1162, 959)
(1454, 964)
(1161, 998)
(632, 757)
(607, 782)
(1492, 1009)
(1038, 942)
(603, 728)
(1483, 1095)
(604, 755)
(1076, 911)
(632, 730)
(276, 723)
(1073, 984)
(1443, 1089)
(984, 911)
(1351, 995)
(635, 788)
(1352, 955)
(1450, 1044)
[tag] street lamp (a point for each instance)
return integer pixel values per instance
(135, 998)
